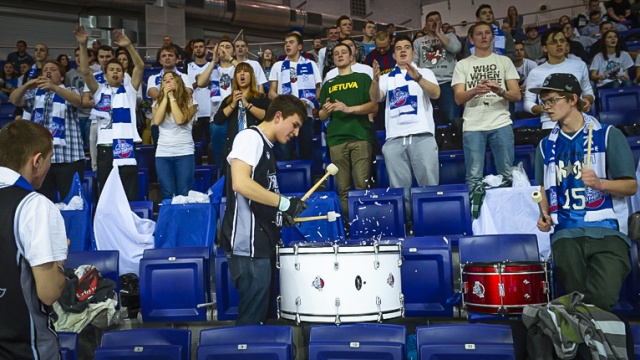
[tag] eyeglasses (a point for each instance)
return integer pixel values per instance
(556, 42)
(550, 102)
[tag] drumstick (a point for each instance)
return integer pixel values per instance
(331, 170)
(588, 161)
(537, 198)
(331, 216)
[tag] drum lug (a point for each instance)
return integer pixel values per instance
(337, 303)
(525, 281)
(501, 290)
(464, 287)
(401, 297)
(298, 303)
(295, 253)
(379, 302)
(278, 258)
(376, 263)
(545, 287)
(336, 264)
(527, 296)
(278, 300)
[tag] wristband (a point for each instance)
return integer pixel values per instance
(249, 107)
(173, 100)
(284, 203)
(601, 185)
(419, 78)
(61, 268)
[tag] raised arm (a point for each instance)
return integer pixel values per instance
(87, 75)
(17, 97)
(374, 90)
(205, 77)
(138, 64)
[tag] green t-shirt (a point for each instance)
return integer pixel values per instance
(619, 165)
(352, 90)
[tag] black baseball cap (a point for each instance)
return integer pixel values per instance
(559, 82)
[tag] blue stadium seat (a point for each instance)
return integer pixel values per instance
(382, 178)
(185, 252)
(620, 118)
(143, 184)
(150, 337)
(465, 341)
(357, 341)
(90, 187)
(427, 276)
(376, 213)
(452, 167)
(227, 297)
(294, 176)
(382, 137)
(106, 261)
(198, 152)
(316, 160)
(171, 289)
(441, 210)
(495, 248)
(144, 209)
(533, 122)
(155, 352)
(246, 342)
(525, 154)
(635, 330)
(69, 345)
(620, 99)
(203, 178)
(146, 159)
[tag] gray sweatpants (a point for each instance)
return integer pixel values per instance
(409, 156)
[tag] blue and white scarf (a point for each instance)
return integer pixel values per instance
(303, 76)
(402, 103)
(99, 77)
(122, 131)
(53, 118)
(598, 205)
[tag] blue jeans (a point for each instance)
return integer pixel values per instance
(252, 278)
(85, 129)
(218, 139)
(284, 152)
(175, 174)
(446, 104)
(475, 143)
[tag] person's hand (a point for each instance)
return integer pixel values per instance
(81, 35)
(376, 70)
(544, 223)
(340, 106)
(296, 206)
(439, 27)
(45, 83)
(495, 88)
(121, 39)
(328, 107)
(587, 105)
(214, 54)
(412, 72)
(482, 88)
(166, 89)
(590, 179)
(33, 83)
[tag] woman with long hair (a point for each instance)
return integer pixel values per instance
(8, 81)
(125, 59)
(64, 60)
(173, 112)
(516, 22)
(266, 61)
(609, 68)
(245, 106)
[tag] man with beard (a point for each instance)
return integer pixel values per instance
(242, 51)
(369, 31)
(345, 26)
(201, 132)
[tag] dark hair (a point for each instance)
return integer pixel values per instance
(61, 68)
(343, 17)
(430, 14)
(604, 47)
(288, 105)
(483, 6)
(602, 24)
(113, 61)
(22, 139)
(550, 32)
(105, 48)
(129, 69)
(21, 42)
(295, 35)
(345, 45)
(518, 42)
(476, 25)
(68, 66)
(402, 38)
(225, 38)
(390, 25)
(368, 22)
(198, 41)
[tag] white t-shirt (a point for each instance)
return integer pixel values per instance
(614, 67)
(261, 79)
(276, 69)
(154, 82)
(175, 140)
(320, 63)
(226, 85)
(105, 136)
(41, 229)
(200, 94)
(422, 121)
(357, 68)
(488, 111)
(248, 147)
(536, 78)
(524, 70)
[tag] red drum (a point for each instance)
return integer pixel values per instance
(503, 288)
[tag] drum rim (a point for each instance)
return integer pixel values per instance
(361, 249)
(287, 312)
(505, 263)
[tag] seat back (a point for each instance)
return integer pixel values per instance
(441, 210)
(357, 341)
(427, 276)
(502, 247)
(69, 343)
(619, 99)
(452, 167)
(294, 176)
(620, 117)
(635, 330)
(376, 213)
(203, 178)
(465, 341)
(147, 337)
(144, 209)
(143, 184)
(155, 352)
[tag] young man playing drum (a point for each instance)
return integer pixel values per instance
(586, 169)
(256, 210)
